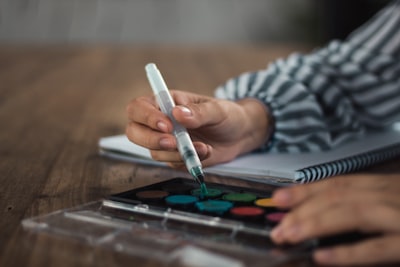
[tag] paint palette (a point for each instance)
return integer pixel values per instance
(247, 207)
(173, 223)
(226, 214)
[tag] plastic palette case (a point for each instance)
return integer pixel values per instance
(245, 224)
(244, 210)
(171, 223)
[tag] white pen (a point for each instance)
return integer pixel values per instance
(184, 143)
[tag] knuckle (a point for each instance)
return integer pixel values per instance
(131, 105)
(334, 195)
(341, 182)
(129, 131)
(155, 155)
(151, 121)
(299, 192)
(128, 107)
(150, 142)
(360, 212)
(143, 138)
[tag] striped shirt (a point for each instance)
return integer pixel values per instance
(338, 92)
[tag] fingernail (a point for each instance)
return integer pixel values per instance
(276, 233)
(162, 126)
(166, 143)
(281, 197)
(186, 112)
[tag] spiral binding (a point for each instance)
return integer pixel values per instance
(348, 164)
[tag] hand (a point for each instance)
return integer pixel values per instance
(370, 204)
(220, 129)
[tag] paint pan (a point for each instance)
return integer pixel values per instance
(274, 218)
(247, 213)
(240, 198)
(181, 201)
(218, 207)
(211, 193)
(267, 204)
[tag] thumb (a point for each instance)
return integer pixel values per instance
(195, 115)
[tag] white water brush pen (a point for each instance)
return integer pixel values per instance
(184, 143)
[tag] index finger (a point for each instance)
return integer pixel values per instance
(144, 110)
(291, 196)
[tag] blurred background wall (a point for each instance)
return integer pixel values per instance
(181, 21)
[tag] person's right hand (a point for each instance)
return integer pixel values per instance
(220, 129)
(368, 204)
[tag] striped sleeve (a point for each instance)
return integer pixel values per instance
(321, 99)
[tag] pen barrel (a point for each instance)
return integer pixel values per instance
(184, 142)
(186, 149)
(166, 104)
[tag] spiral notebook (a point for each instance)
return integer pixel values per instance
(354, 155)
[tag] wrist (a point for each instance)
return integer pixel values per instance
(260, 123)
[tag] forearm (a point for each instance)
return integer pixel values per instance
(324, 98)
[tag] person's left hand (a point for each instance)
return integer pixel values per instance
(369, 204)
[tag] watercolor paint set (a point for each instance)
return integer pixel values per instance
(232, 215)
(174, 223)
(237, 208)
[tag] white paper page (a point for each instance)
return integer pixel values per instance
(282, 165)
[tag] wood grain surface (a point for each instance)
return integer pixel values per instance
(55, 104)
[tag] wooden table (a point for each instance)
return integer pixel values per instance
(55, 104)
